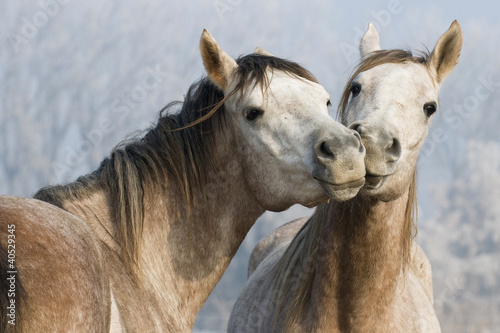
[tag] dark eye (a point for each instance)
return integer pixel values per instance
(328, 103)
(252, 113)
(355, 89)
(430, 108)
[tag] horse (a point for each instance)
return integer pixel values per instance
(139, 244)
(353, 266)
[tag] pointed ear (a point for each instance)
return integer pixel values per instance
(218, 64)
(370, 41)
(260, 51)
(445, 55)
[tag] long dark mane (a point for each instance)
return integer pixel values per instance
(177, 153)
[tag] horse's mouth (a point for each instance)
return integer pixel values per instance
(373, 182)
(339, 187)
(342, 192)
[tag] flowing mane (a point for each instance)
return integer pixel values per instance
(177, 153)
(302, 254)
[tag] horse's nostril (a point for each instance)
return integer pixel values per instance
(356, 127)
(394, 149)
(357, 137)
(359, 143)
(325, 149)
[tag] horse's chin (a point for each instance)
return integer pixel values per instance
(343, 192)
(379, 187)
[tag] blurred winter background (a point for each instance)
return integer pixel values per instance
(78, 76)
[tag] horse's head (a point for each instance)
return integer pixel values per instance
(390, 101)
(290, 150)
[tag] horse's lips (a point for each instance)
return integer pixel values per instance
(374, 181)
(339, 187)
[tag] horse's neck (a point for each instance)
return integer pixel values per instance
(363, 242)
(196, 250)
(181, 258)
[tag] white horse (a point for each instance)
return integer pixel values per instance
(353, 266)
(139, 244)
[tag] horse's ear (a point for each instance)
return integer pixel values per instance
(445, 55)
(370, 41)
(260, 51)
(218, 64)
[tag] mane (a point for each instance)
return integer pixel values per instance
(177, 154)
(294, 272)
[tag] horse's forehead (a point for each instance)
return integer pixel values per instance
(282, 91)
(407, 77)
(286, 85)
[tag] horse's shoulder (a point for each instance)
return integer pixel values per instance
(268, 244)
(57, 250)
(421, 267)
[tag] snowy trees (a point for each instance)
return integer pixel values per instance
(84, 80)
(462, 239)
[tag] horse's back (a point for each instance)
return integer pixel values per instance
(58, 263)
(267, 245)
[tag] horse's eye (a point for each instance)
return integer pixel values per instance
(328, 103)
(252, 113)
(355, 89)
(430, 108)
